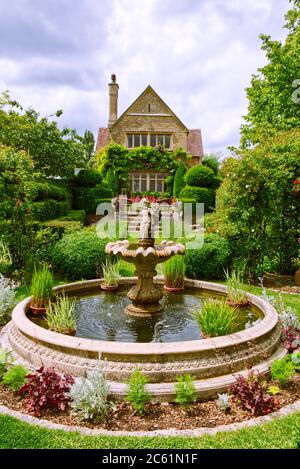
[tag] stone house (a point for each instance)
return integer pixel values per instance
(148, 121)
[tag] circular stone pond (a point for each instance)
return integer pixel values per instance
(163, 346)
(102, 316)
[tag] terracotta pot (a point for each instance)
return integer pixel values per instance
(297, 278)
(109, 287)
(237, 304)
(173, 289)
(37, 311)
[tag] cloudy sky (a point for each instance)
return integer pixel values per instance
(197, 54)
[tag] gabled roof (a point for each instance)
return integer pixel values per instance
(146, 90)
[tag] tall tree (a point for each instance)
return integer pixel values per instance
(89, 142)
(274, 94)
(54, 152)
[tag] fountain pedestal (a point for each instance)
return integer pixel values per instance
(145, 296)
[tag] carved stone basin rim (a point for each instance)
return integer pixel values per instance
(164, 249)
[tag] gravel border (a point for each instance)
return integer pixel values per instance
(284, 411)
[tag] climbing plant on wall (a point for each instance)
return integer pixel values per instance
(122, 161)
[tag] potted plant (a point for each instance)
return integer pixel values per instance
(236, 297)
(41, 290)
(174, 271)
(61, 315)
(110, 276)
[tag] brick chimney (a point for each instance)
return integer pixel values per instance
(113, 100)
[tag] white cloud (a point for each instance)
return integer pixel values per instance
(198, 55)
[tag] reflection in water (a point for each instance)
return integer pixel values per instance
(102, 317)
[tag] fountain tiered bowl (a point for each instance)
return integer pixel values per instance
(144, 295)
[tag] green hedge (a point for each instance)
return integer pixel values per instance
(60, 226)
(87, 178)
(200, 195)
(210, 260)
(79, 255)
(87, 198)
(199, 176)
(49, 209)
(50, 190)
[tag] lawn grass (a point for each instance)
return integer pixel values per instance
(281, 433)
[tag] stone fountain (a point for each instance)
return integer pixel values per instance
(144, 295)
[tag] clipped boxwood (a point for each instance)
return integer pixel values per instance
(199, 194)
(199, 176)
(60, 226)
(210, 260)
(44, 210)
(79, 255)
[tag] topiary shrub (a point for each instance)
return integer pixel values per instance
(199, 176)
(210, 260)
(63, 207)
(179, 181)
(212, 162)
(199, 194)
(79, 255)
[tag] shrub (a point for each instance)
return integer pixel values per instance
(61, 315)
(90, 397)
(15, 377)
(50, 190)
(79, 254)
(60, 226)
(234, 285)
(185, 390)
(201, 195)
(216, 318)
(212, 162)
(6, 360)
(87, 178)
(87, 198)
(251, 393)
(41, 286)
(174, 271)
(199, 176)
(46, 389)
(44, 210)
(179, 181)
(63, 207)
(137, 395)
(112, 181)
(7, 299)
(210, 260)
(224, 402)
(283, 370)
